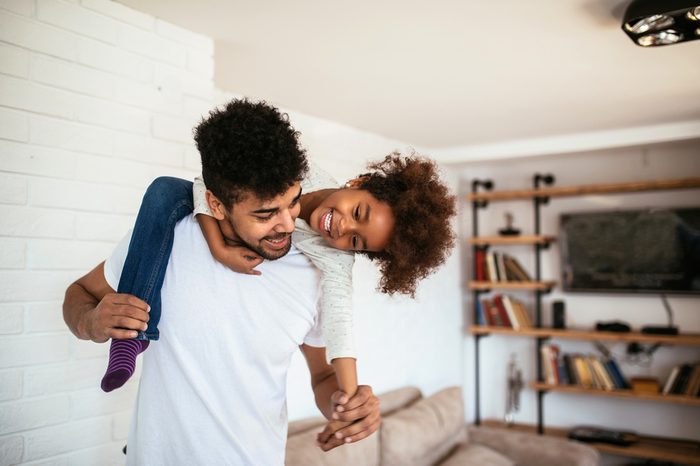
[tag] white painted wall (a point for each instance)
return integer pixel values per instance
(95, 101)
(663, 161)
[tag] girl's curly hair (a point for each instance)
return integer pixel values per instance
(422, 207)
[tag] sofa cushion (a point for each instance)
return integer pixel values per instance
(397, 399)
(425, 432)
(476, 455)
(301, 450)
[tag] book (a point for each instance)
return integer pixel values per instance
(605, 379)
(547, 368)
(491, 313)
(595, 379)
(480, 265)
(682, 379)
(618, 377)
(694, 381)
(510, 310)
(480, 317)
(584, 374)
(571, 370)
(563, 372)
(671, 380)
(498, 301)
(520, 270)
(500, 266)
(553, 358)
(523, 316)
(491, 267)
(512, 269)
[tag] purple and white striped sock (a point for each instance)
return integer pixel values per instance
(122, 362)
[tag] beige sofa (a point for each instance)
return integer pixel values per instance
(419, 431)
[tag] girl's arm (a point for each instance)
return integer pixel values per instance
(346, 373)
(238, 258)
(336, 313)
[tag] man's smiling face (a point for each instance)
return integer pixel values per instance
(264, 226)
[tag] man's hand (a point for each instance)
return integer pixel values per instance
(117, 316)
(353, 419)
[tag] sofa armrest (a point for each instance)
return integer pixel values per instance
(534, 450)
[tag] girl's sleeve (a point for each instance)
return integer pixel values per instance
(199, 197)
(336, 297)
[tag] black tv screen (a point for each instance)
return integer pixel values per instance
(652, 250)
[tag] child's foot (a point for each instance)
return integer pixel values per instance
(122, 362)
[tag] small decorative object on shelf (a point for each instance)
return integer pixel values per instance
(515, 385)
(509, 230)
(645, 385)
(612, 326)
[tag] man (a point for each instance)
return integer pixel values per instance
(212, 390)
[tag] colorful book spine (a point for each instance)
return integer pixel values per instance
(480, 264)
(498, 301)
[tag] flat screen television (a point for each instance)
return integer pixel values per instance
(648, 251)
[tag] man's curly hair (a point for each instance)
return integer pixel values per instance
(422, 207)
(249, 147)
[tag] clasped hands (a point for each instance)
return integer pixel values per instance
(353, 419)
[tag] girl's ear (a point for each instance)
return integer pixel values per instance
(356, 182)
(216, 206)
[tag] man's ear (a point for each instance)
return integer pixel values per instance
(216, 206)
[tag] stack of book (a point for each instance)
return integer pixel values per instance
(588, 371)
(503, 311)
(684, 380)
(499, 267)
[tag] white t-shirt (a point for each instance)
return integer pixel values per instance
(213, 388)
(335, 266)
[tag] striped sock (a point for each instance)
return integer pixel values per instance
(122, 362)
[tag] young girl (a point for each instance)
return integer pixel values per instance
(398, 215)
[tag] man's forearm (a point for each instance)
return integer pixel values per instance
(323, 387)
(78, 303)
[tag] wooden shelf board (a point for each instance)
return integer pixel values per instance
(545, 285)
(612, 188)
(680, 399)
(506, 240)
(659, 448)
(684, 339)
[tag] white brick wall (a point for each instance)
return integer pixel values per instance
(96, 100)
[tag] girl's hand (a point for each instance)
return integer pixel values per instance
(239, 259)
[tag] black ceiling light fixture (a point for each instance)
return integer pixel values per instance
(651, 23)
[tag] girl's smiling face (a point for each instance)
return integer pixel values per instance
(352, 219)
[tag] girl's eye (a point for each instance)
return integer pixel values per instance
(354, 242)
(265, 218)
(357, 212)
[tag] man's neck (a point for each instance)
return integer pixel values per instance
(230, 236)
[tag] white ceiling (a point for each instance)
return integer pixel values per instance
(446, 73)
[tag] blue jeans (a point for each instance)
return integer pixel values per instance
(167, 200)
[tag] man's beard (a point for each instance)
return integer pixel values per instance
(258, 249)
